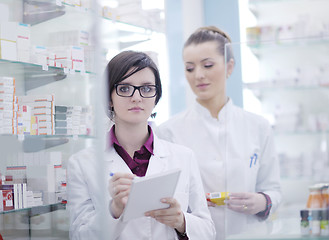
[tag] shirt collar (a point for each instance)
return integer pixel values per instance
(148, 144)
(206, 114)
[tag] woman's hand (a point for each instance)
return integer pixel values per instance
(249, 203)
(171, 216)
(119, 189)
(210, 204)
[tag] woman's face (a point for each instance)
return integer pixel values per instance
(134, 109)
(205, 70)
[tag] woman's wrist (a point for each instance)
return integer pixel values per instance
(268, 206)
(181, 229)
(114, 210)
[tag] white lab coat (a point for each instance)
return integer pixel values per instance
(83, 184)
(224, 149)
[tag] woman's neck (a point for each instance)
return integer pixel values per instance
(131, 137)
(214, 105)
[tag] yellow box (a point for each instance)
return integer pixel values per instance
(218, 197)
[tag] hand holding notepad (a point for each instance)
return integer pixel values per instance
(146, 193)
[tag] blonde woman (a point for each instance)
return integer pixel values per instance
(234, 148)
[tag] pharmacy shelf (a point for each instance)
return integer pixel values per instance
(12, 143)
(37, 210)
(301, 133)
(35, 68)
(32, 212)
(111, 27)
(35, 75)
(281, 85)
(262, 47)
(28, 143)
(114, 32)
(116, 19)
(274, 1)
(255, 4)
(40, 11)
(280, 237)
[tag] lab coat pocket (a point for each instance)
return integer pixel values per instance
(252, 176)
(183, 199)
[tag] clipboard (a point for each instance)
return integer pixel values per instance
(146, 193)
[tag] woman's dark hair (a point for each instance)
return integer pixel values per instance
(212, 33)
(118, 67)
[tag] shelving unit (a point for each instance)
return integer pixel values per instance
(23, 153)
(285, 79)
(52, 28)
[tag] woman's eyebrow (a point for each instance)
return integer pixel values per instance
(142, 83)
(206, 59)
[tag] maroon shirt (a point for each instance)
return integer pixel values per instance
(139, 163)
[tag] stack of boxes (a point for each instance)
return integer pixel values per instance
(8, 106)
(68, 48)
(15, 41)
(36, 115)
(63, 57)
(33, 179)
(45, 176)
(73, 120)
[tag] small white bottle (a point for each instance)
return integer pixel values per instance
(315, 223)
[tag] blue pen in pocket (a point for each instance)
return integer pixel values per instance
(253, 157)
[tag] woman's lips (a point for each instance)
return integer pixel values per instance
(202, 86)
(135, 109)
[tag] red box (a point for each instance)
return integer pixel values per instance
(8, 203)
(8, 197)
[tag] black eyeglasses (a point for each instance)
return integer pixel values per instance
(127, 90)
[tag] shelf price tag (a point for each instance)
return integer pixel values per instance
(83, 72)
(45, 67)
(20, 137)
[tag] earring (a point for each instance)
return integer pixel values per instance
(111, 113)
(153, 115)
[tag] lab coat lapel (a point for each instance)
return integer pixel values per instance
(159, 161)
(114, 162)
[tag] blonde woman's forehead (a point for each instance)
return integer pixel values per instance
(201, 52)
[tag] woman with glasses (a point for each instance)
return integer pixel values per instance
(234, 148)
(134, 150)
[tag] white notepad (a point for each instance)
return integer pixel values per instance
(146, 192)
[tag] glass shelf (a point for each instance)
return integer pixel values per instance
(121, 24)
(259, 47)
(275, 86)
(35, 68)
(36, 75)
(254, 5)
(300, 133)
(109, 26)
(275, 1)
(37, 210)
(279, 237)
(30, 143)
